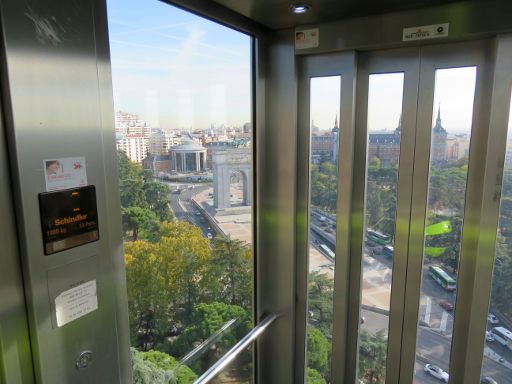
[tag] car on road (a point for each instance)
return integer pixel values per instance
(488, 380)
(491, 318)
(489, 336)
(198, 213)
(209, 236)
(446, 305)
(436, 372)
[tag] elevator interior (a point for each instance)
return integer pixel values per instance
(57, 103)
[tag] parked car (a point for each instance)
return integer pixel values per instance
(209, 236)
(488, 380)
(489, 336)
(491, 318)
(446, 305)
(436, 372)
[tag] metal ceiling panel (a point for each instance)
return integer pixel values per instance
(275, 14)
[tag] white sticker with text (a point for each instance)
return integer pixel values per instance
(426, 32)
(64, 173)
(76, 302)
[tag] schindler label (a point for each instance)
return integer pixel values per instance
(76, 302)
(425, 32)
(69, 218)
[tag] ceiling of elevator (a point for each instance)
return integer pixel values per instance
(275, 14)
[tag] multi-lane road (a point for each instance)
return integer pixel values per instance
(434, 340)
(184, 210)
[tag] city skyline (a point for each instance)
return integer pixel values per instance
(454, 92)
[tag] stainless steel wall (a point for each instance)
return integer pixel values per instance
(276, 88)
(57, 100)
(15, 353)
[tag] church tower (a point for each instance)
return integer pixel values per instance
(439, 142)
(335, 137)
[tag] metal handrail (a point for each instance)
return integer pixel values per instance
(225, 360)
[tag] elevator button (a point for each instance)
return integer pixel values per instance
(84, 359)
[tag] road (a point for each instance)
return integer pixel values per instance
(434, 341)
(433, 344)
(184, 210)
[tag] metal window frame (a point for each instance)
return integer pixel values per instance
(403, 60)
(470, 359)
(327, 65)
(432, 58)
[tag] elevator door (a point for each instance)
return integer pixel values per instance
(15, 354)
(391, 246)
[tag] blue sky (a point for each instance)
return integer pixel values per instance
(175, 69)
(454, 91)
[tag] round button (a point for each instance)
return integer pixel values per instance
(84, 359)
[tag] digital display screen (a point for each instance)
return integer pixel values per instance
(69, 218)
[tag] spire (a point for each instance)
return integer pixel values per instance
(438, 128)
(336, 121)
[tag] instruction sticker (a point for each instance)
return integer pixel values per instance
(64, 173)
(426, 32)
(307, 38)
(76, 302)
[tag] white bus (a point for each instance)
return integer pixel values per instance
(503, 335)
(327, 251)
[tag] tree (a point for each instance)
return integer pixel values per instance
(181, 374)
(320, 301)
(135, 218)
(318, 351)
(157, 196)
(155, 367)
(130, 182)
(375, 162)
(231, 268)
(208, 319)
(165, 280)
(372, 357)
(502, 283)
(314, 377)
(146, 287)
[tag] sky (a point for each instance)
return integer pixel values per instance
(454, 91)
(178, 70)
(175, 69)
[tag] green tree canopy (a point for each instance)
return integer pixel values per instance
(318, 351)
(372, 357)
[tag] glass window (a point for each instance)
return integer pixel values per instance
(182, 97)
(451, 133)
(385, 94)
(498, 337)
(325, 93)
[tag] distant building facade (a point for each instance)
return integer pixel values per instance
(160, 142)
(157, 163)
(324, 144)
(385, 145)
(134, 145)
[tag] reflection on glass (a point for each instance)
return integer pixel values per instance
(385, 95)
(498, 338)
(182, 98)
(449, 153)
(324, 110)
